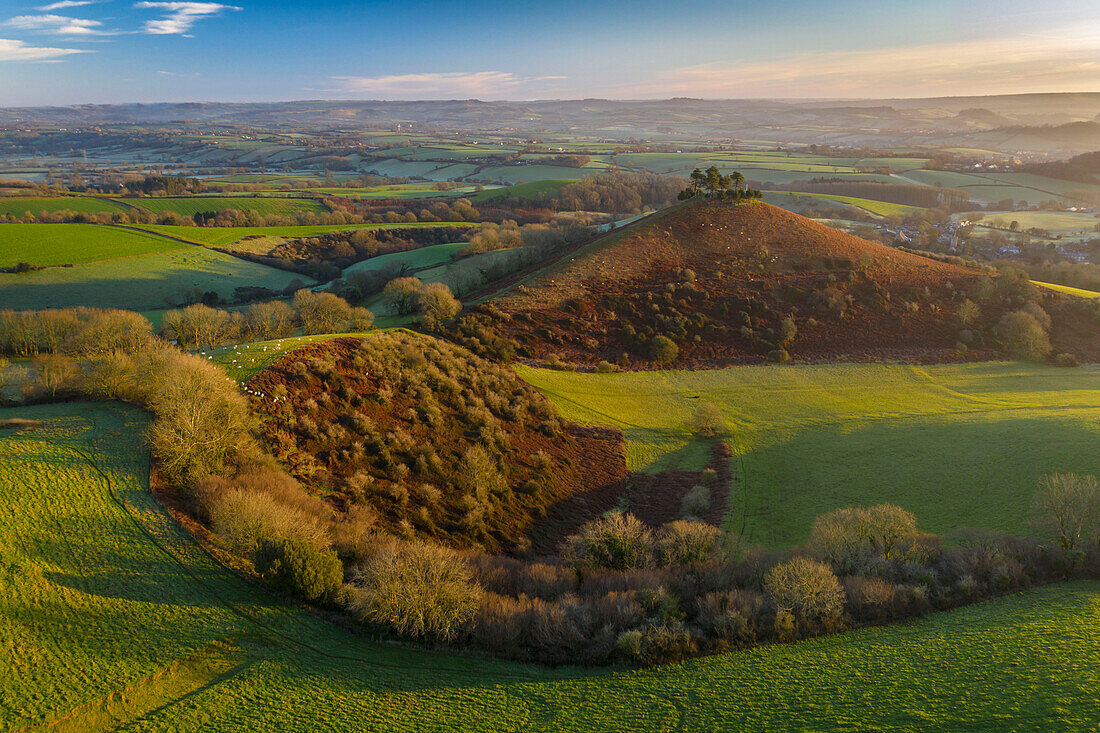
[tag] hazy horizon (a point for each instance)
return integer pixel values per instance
(73, 52)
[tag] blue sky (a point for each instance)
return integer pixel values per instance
(110, 51)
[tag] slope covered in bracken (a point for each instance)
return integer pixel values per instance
(732, 283)
(420, 438)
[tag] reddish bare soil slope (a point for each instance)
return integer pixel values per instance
(719, 280)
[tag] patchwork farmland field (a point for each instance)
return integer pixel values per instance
(880, 208)
(22, 206)
(1065, 224)
(959, 445)
(141, 282)
(117, 619)
(225, 236)
(511, 174)
(45, 245)
(191, 205)
(431, 256)
(534, 189)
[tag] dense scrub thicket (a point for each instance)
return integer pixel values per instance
(622, 591)
(199, 326)
(426, 438)
(325, 255)
(617, 191)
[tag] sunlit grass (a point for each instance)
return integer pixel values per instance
(957, 444)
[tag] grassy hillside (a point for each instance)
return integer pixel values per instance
(960, 444)
(115, 619)
(60, 244)
(139, 283)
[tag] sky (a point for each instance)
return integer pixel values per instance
(63, 52)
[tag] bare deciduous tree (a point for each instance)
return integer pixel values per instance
(1067, 510)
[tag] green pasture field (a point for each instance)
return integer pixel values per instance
(454, 172)
(191, 205)
(958, 445)
(1079, 292)
(21, 205)
(409, 168)
(996, 186)
(464, 275)
(879, 208)
(257, 178)
(142, 282)
(896, 164)
(397, 191)
(113, 618)
(798, 203)
(1067, 224)
(416, 259)
(60, 244)
(512, 174)
(451, 152)
(549, 186)
(225, 236)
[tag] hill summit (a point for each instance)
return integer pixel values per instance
(729, 284)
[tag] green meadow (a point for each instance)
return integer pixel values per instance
(191, 205)
(958, 444)
(534, 189)
(142, 282)
(513, 174)
(22, 206)
(1065, 224)
(416, 259)
(881, 208)
(225, 236)
(113, 618)
(59, 244)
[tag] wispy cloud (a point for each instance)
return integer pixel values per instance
(179, 16)
(13, 50)
(58, 24)
(67, 4)
(1063, 61)
(450, 84)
